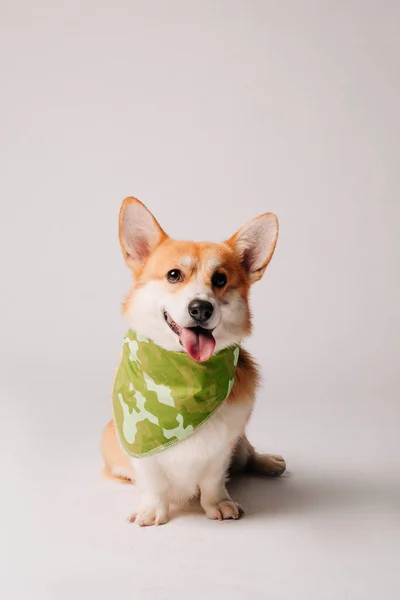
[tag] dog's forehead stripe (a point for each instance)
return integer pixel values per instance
(212, 264)
(187, 262)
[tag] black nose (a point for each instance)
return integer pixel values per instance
(200, 310)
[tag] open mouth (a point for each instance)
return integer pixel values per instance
(198, 342)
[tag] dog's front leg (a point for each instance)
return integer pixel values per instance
(153, 488)
(214, 497)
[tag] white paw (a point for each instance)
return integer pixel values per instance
(271, 465)
(226, 509)
(277, 464)
(149, 515)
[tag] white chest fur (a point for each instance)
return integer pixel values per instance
(185, 465)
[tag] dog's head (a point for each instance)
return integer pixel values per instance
(187, 295)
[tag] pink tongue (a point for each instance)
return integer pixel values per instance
(199, 343)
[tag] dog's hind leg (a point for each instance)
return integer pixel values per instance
(116, 461)
(245, 458)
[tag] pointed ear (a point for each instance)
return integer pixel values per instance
(255, 243)
(139, 232)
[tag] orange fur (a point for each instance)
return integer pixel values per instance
(247, 378)
(116, 461)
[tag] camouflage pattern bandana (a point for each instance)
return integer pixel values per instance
(161, 397)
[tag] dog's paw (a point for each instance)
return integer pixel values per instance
(269, 464)
(226, 509)
(149, 515)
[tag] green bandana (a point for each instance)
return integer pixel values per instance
(161, 397)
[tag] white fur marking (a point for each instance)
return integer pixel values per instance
(187, 262)
(212, 265)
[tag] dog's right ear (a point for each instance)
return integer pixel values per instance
(139, 233)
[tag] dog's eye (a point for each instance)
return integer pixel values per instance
(218, 280)
(174, 276)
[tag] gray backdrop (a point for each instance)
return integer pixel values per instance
(211, 113)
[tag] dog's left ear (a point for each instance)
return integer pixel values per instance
(255, 243)
(139, 233)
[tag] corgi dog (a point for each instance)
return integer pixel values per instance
(193, 298)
